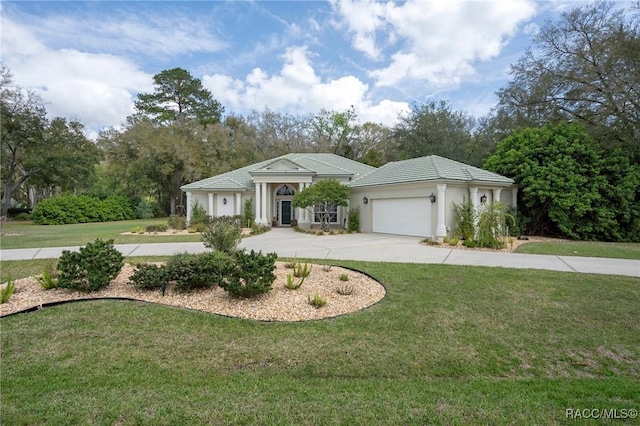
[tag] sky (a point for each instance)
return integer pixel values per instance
(89, 60)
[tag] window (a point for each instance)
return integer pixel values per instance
(333, 213)
(285, 190)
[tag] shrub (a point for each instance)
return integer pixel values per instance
(149, 277)
(203, 270)
(160, 227)
(492, 225)
(146, 209)
(257, 229)
(454, 241)
(470, 243)
(465, 220)
(317, 301)
(22, 216)
(90, 269)
(177, 222)
(354, 220)
(251, 275)
(198, 227)
(7, 291)
(247, 214)
(198, 214)
(68, 209)
(344, 277)
(222, 235)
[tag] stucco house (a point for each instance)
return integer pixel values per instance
(410, 197)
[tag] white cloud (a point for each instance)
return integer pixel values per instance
(434, 41)
(298, 89)
(96, 89)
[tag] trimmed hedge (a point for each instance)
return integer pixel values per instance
(68, 209)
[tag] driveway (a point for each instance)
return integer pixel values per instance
(367, 247)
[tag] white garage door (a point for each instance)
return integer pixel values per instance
(402, 216)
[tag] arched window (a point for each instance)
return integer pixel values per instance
(285, 190)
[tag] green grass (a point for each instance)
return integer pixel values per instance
(448, 345)
(583, 248)
(18, 234)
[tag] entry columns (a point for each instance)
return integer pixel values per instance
(259, 219)
(263, 213)
(441, 229)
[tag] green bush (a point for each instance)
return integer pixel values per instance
(247, 214)
(22, 216)
(147, 209)
(160, 227)
(465, 220)
(69, 209)
(354, 220)
(91, 268)
(204, 270)
(177, 222)
(149, 277)
(251, 275)
(223, 234)
(470, 243)
(492, 225)
(198, 214)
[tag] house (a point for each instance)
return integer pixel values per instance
(410, 197)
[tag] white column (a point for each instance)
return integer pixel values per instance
(496, 195)
(441, 229)
(263, 213)
(188, 206)
(210, 204)
(238, 204)
(473, 197)
(514, 197)
(258, 205)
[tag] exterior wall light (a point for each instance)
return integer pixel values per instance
(483, 199)
(432, 197)
(224, 201)
(365, 200)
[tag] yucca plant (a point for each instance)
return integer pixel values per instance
(7, 292)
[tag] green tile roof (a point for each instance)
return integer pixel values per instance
(319, 165)
(428, 168)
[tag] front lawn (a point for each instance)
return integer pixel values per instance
(582, 248)
(17, 234)
(448, 345)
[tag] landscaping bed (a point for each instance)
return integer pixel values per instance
(280, 304)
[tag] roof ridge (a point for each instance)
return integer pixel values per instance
(327, 164)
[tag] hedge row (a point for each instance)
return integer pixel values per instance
(67, 209)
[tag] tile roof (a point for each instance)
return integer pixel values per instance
(427, 168)
(321, 165)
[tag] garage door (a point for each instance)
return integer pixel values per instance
(402, 216)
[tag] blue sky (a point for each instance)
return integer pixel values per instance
(88, 60)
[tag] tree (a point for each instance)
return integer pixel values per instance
(321, 197)
(435, 129)
(36, 152)
(178, 96)
(22, 137)
(278, 134)
(333, 131)
(584, 68)
(372, 144)
(568, 187)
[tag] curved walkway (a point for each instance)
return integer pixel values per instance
(367, 247)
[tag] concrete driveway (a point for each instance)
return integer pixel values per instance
(368, 247)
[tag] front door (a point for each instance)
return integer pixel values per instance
(286, 213)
